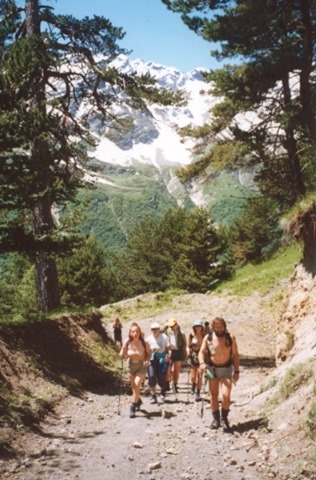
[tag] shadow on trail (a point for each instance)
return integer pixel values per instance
(151, 415)
(257, 362)
(255, 424)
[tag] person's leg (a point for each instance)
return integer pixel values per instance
(134, 395)
(193, 376)
(139, 377)
(226, 386)
(176, 372)
(152, 380)
(198, 384)
(214, 391)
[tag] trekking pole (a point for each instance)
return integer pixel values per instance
(120, 390)
(173, 386)
(188, 382)
(204, 382)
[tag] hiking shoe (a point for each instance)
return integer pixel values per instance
(138, 404)
(176, 389)
(153, 399)
(132, 410)
(225, 418)
(197, 396)
(216, 423)
(193, 388)
(167, 387)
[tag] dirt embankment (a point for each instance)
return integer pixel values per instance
(88, 434)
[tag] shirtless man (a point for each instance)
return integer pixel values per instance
(219, 359)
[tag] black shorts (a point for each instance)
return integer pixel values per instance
(176, 356)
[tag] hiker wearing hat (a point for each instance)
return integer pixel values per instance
(194, 342)
(178, 351)
(219, 359)
(157, 369)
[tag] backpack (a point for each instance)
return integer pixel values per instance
(228, 343)
(228, 337)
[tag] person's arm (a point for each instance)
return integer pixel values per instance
(123, 351)
(189, 339)
(236, 359)
(202, 353)
(147, 352)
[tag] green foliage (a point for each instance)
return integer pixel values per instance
(182, 251)
(256, 234)
(110, 213)
(198, 267)
(295, 377)
(17, 290)
(310, 422)
(270, 41)
(83, 276)
(263, 277)
(48, 66)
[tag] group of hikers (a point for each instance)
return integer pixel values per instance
(210, 350)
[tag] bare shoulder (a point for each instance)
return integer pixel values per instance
(234, 344)
(233, 337)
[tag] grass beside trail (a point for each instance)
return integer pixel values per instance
(264, 277)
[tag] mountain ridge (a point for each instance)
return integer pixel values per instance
(134, 169)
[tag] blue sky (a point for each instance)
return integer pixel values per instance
(152, 31)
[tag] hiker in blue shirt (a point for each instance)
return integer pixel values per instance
(157, 369)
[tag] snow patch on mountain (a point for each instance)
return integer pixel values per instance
(155, 140)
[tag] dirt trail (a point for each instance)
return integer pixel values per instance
(94, 438)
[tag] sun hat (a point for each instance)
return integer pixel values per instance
(198, 323)
(172, 322)
(154, 326)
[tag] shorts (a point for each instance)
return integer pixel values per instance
(118, 336)
(219, 373)
(136, 367)
(176, 356)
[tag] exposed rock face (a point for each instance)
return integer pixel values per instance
(297, 322)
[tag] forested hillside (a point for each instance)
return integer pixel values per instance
(145, 225)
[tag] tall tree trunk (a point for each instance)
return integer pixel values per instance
(290, 145)
(47, 290)
(306, 95)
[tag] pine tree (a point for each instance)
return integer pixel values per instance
(48, 65)
(270, 40)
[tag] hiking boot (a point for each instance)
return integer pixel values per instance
(167, 387)
(193, 386)
(132, 410)
(216, 423)
(163, 395)
(138, 404)
(197, 396)
(153, 399)
(176, 389)
(225, 419)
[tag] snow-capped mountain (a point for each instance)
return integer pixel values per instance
(134, 169)
(154, 139)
